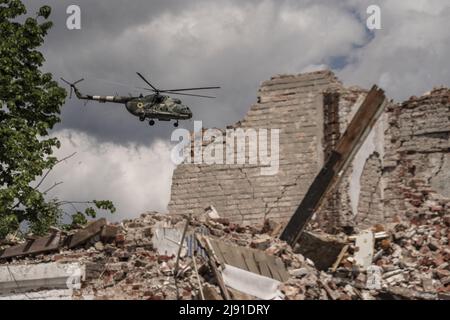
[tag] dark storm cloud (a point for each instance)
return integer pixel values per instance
(234, 44)
(68, 54)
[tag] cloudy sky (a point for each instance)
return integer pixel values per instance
(235, 44)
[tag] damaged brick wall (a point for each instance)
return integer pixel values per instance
(328, 216)
(370, 206)
(402, 168)
(292, 104)
(418, 155)
(338, 211)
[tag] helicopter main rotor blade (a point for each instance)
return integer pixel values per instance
(181, 94)
(66, 81)
(190, 89)
(147, 89)
(188, 94)
(147, 82)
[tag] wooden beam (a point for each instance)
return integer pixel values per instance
(213, 264)
(311, 201)
(40, 245)
(91, 230)
(339, 160)
(339, 258)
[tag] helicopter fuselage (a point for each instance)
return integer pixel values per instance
(159, 107)
(154, 106)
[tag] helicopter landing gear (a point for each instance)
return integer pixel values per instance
(176, 124)
(142, 118)
(152, 122)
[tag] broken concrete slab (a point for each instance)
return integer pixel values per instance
(25, 278)
(323, 249)
(364, 243)
(57, 294)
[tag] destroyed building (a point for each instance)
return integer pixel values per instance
(401, 168)
(382, 233)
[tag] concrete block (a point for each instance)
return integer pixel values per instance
(364, 244)
(26, 278)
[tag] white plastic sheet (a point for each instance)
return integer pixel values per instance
(251, 283)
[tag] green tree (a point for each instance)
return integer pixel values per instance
(30, 102)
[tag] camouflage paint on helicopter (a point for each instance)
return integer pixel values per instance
(163, 108)
(154, 106)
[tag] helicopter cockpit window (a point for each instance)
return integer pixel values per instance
(159, 99)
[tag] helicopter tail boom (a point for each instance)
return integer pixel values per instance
(113, 99)
(103, 99)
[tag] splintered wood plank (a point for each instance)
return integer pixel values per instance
(40, 245)
(279, 273)
(284, 275)
(274, 271)
(216, 250)
(240, 255)
(91, 230)
(231, 256)
(339, 258)
(262, 263)
(206, 243)
(249, 259)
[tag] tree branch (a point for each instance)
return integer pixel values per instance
(63, 203)
(52, 187)
(45, 176)
(49, 170)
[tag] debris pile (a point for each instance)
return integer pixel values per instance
(140, 259)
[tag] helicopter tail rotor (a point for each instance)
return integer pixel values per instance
(72, 85)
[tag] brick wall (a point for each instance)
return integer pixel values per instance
(293, 104)
(337, 210)
(403, 167)
(417, 156)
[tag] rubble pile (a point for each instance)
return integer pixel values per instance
(409, 260)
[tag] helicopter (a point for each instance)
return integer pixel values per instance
(155, 106)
